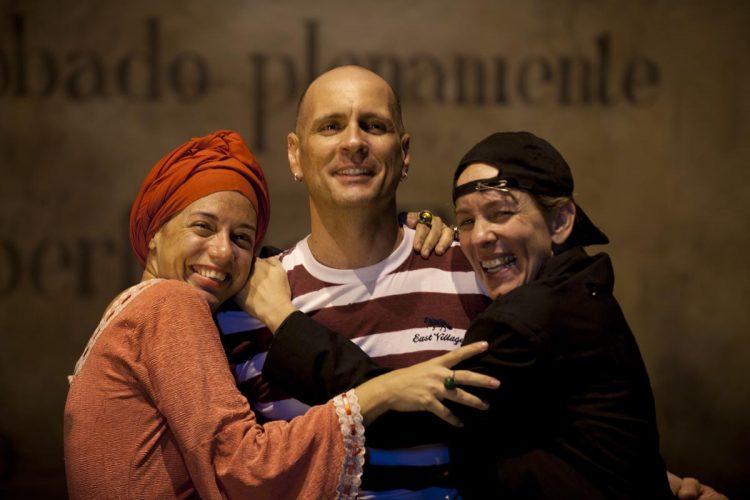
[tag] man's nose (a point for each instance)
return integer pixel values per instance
(354, 143)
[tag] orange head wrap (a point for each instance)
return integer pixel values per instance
(217, 162)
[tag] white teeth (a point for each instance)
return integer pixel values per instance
(354, 171)
(211, 273)
(493, 265)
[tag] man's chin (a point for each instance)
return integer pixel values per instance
(361, 199)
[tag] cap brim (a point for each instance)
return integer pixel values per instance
(585, 232)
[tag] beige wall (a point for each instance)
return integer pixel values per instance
(648, 101)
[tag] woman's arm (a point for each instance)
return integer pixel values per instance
(312, 363)
(222, 445)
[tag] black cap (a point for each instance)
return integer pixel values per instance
(525, 161)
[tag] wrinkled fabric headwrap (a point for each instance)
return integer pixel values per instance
(204, 165)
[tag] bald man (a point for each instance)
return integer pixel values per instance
(357, 275)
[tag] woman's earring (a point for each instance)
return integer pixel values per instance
(404, 175)
(297, 178)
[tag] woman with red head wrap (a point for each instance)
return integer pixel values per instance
(153, 410)
(216, 162)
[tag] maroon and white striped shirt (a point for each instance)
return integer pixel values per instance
(400, 311)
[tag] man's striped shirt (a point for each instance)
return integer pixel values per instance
(400, 311)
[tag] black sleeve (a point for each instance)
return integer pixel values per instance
(492, 441)
(313, 364)
(516, 357)
(559, 410)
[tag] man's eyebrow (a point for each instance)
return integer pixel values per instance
(326, 117)
(364, 115)
(378, 115)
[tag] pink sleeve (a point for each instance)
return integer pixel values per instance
(223, 446)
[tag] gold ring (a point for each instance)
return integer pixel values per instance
(425, 217)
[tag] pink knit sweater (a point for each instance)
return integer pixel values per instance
(154, 413)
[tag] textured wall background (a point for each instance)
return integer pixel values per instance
(648, 101)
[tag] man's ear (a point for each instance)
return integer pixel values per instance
(292, 152)
(405, 145)
(562, 223)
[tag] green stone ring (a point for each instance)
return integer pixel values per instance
(449, 382)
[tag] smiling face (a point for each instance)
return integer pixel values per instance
(505, 235)
(349, 147)
(209, 244)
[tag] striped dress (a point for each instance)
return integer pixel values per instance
(400, 311)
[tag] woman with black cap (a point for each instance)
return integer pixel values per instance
(574, 417)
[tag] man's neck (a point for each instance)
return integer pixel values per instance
(353, 238)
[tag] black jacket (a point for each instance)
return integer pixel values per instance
(574, 416)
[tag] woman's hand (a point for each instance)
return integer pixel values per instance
(422, 387)
(266, 295)
(689, 488)
(434, 236)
